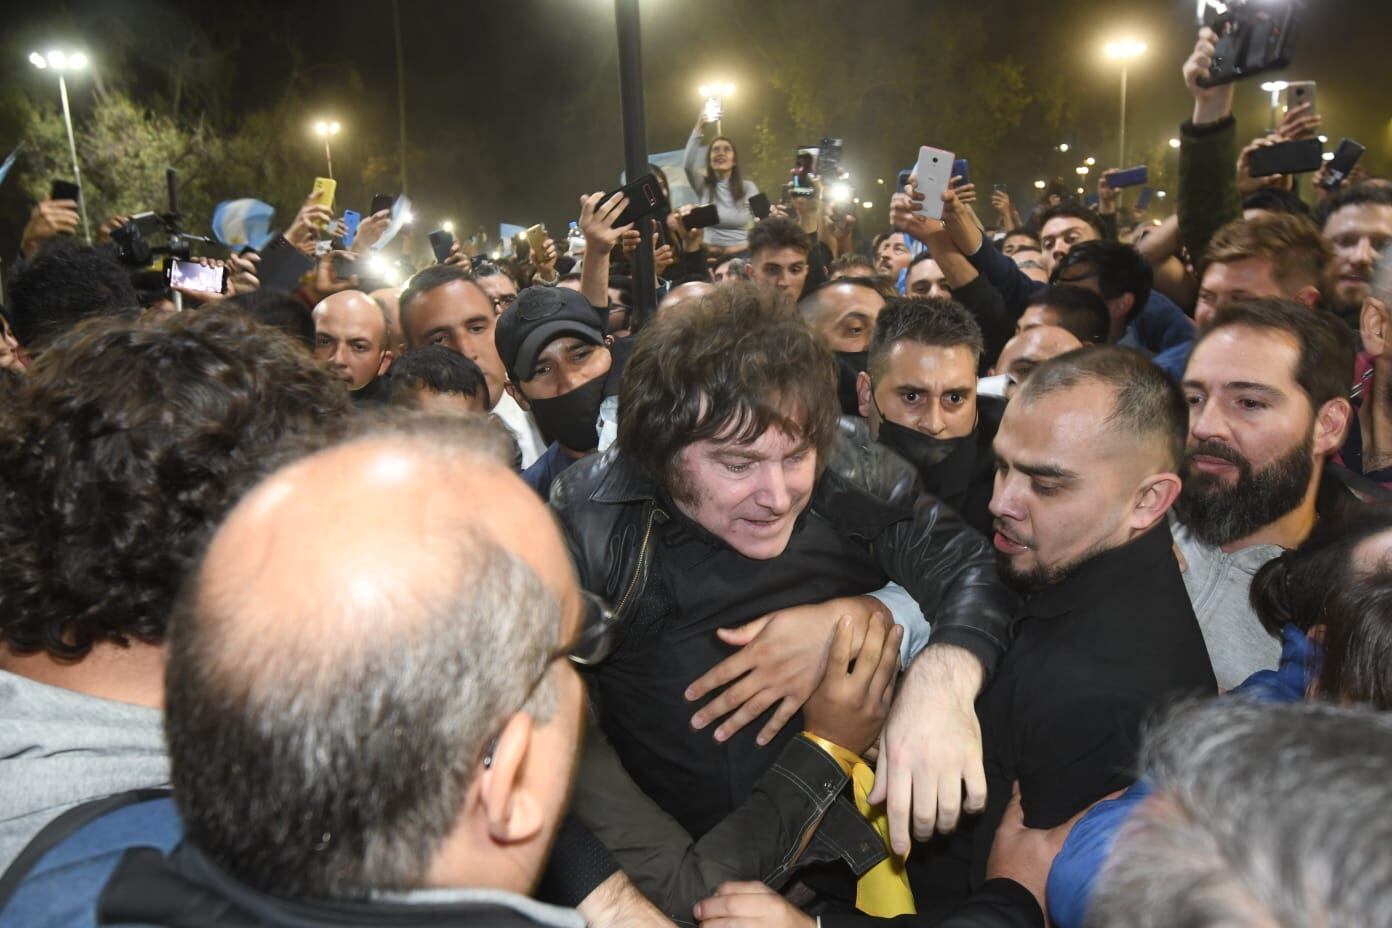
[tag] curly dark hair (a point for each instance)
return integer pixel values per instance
(733, 366)
(130, 441)
(62, 285)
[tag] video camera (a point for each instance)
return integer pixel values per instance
(137, 241)
(1253, 37)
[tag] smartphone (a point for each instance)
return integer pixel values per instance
(323, 192)
(1298, 157)
(64, 190)
(1342, 164)
(380, 202)
(960, 169)
(758, 205)
(645, 199)
(536, 240)
(1298, 93)
(351, 220)
(1143, 201)
(282, 265)
(344, 267)
(703, 217)
(933, 173)
(903, 180)
(1252, 39)
(1130, 177)
(440, 242)
(190, 275)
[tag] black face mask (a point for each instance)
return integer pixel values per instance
(848, 365)
(571, 418)
(924, 452)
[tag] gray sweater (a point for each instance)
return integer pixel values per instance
(60, 748)
(733, 229)
(1219, 585)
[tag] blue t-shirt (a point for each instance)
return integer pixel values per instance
(547, 468)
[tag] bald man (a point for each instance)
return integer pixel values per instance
(689, 293)
(352, 339)
(376, 701)
(843, 312)
(1026, 351)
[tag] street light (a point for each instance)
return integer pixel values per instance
(58, 62)
(715, 103)
(1125, 51)
(447, 226)
(327, 129)
(1040, 185)
(1174, 143)
(1082, 169)
(1089, 161)
(868, 205)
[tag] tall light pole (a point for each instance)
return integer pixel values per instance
(715, 95)
(635, 146)
(1125, 51)
(59, 62)
(327, 129)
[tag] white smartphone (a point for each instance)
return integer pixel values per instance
(933, 174)
(1298, 93)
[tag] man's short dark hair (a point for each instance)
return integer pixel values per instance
(1148, 405)
(1295, 246)
(1377, 192)
(1022, 232)
(64, 284)
(277, 309)
(935, 322)
(424, 281)
(1120, 269)
(437, 369)
(1080, 311)
(819, 301)
(730, 367)
(1273, 200)
(129, 443)
(850, 261)
(1324, 368)
(777, 232)
(342, 772)
(1072, 210)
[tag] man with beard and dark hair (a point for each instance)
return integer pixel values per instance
(558, 363)
(919, 399)
(1267, 388)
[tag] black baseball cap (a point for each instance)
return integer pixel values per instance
(539, 316)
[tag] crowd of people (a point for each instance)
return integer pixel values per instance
(1027, 571)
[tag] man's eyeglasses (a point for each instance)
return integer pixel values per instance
(594, 642)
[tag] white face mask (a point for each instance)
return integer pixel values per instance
(993, 386)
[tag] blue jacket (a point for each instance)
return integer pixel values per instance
(1074, 875)
(1161, 329)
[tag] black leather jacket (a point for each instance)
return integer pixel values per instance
(608, 507)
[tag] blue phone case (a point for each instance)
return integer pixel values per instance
(1131, 177)
(350, 227)
(959, 169)
(1143, 201)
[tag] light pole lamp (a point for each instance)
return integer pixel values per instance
(327, 129)
(60, 62)
(1125, 51)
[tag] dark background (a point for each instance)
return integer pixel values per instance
(512, 106)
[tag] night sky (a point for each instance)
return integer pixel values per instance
(512, 105)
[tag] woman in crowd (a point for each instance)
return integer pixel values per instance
(722, 184)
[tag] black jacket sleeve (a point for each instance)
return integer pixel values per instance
(988, 306)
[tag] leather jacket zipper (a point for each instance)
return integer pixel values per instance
(642, 559)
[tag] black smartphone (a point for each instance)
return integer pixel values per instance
(759, 206)
(703, 217)
(282, 265)
(190, 275)
(1252, 39)
(1342, 164)
(1298, 157)
(440, 242)
(344, 268)
(645, 200)
(380, 202)
(1130, 177)
(64, 190)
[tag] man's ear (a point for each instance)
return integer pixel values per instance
(1121, 307)
(1154, 497)
(516, 394)
(385, 365)
(1331, 426)
(512, 813)
(1373, 326)
(863, 394)
(1310, 296)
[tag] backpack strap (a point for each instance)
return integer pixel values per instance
(62, 827)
